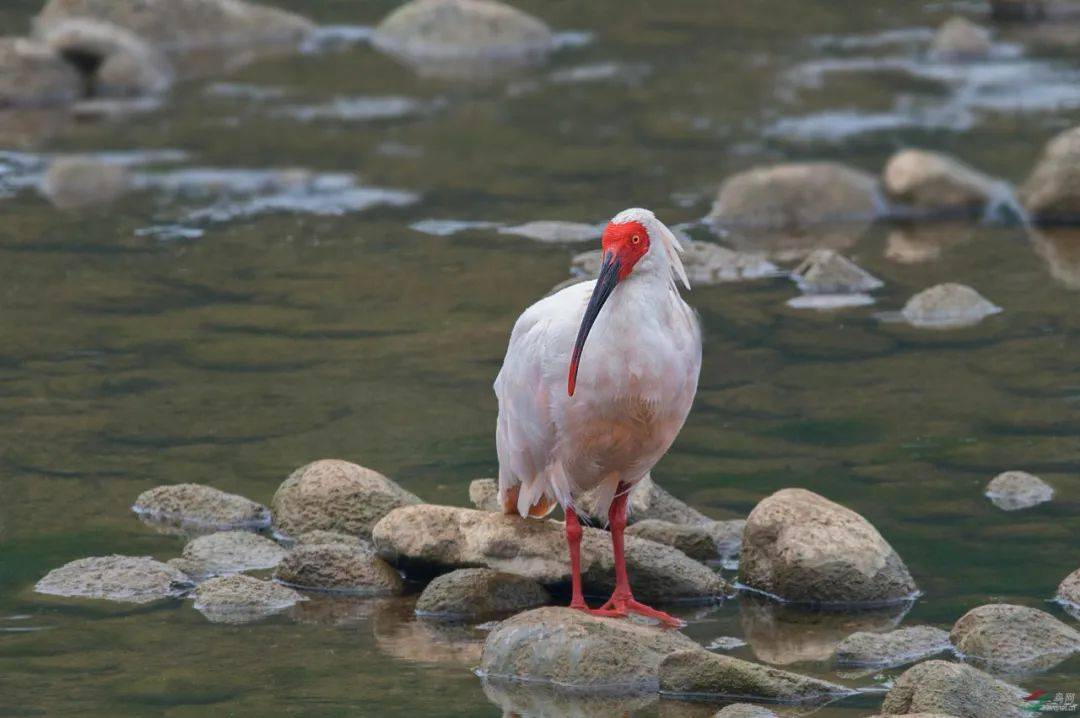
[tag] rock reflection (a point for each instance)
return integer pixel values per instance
(329, 609)
(1060, 249)
(524, 700)
(784, 634)
(399, 633)
(915, 244)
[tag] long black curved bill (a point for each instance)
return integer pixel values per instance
(605, 284)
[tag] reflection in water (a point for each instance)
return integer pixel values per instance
(781, 634)
(530, 700)
(401, 634)
(1059, 247)
(917, 243)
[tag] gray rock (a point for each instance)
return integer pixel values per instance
(334, 495)
(796, 195)
(801, 547)
(1001, 637)
(1013, 490)
(242, 599)
(935, 184)
(698, 673)
(113, 61)
(895, 648)
(947, 306)
(73, 182)
(199, 36)
(437, 538)
(200, 506)
(340, 568)
(1051, 192)
(744, 710)
(960, 39)
(706, 263)
(953, 689)
(32, 75)
(695, 541)
(1068, 594)
(479, 592)
(134, 579)
(229, 552)
(484, 495)
(463, 38)
(555, 231)
(826, 272)
(572, 649)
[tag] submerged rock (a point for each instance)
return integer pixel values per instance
(32, 75)
(960, 39)
(947, 306)
(572, 649)
(479, 592)
(555, 231)
(801, 547)
(1013, 490)
(200, 506)
(73, 182)
(744, 710)
(826, 272)
(705, 263)
(338, 567)
(935, 184)
(698, 673)
(1051, 192)
(113, 61)
(695, 541)
(895, 648)
(242, 599)
(197, 35)
(229, 552)
(516, 698)
(1002, 637)
(1068, 594)
(484, 495)
(134, 579)
(463, 38)
(952, 689)
(436, 538)
(796, 195)
(334, 495)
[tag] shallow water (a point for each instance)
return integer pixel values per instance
(280, 316)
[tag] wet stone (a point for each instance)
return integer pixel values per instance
(134, 579)
(200, 506)
(73, 182)
(431, 539)
(317, 538)
(479, 592)
(555, 231)
(934, 184)
(1014, 490)
(698, 673)
(339, 568)
(463, 38)
(484, 495)
(904, 645)
(947, 306)
(695, 541)
(569, 648)
(1006, 638)
(1052, 192)
(32, 75)
(242, 599)
(1068, 594)
(952, 689)
(960, 39)
(826, 272)
(229, 552)
(334, 495)
(801, 547)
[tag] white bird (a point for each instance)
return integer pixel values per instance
(566, 427)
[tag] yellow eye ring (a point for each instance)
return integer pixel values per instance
(636, 239)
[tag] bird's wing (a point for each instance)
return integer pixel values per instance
(526, 433)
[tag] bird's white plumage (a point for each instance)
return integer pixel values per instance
(636, 382)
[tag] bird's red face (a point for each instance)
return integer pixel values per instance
(623, 245)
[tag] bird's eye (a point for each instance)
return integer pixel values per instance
(636, 239)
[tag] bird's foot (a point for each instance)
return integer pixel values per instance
(623, 607)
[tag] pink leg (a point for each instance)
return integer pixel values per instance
(573, 540)
(622, 600)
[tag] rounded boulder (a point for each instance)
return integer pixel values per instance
(340, 568)
(479, 592)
